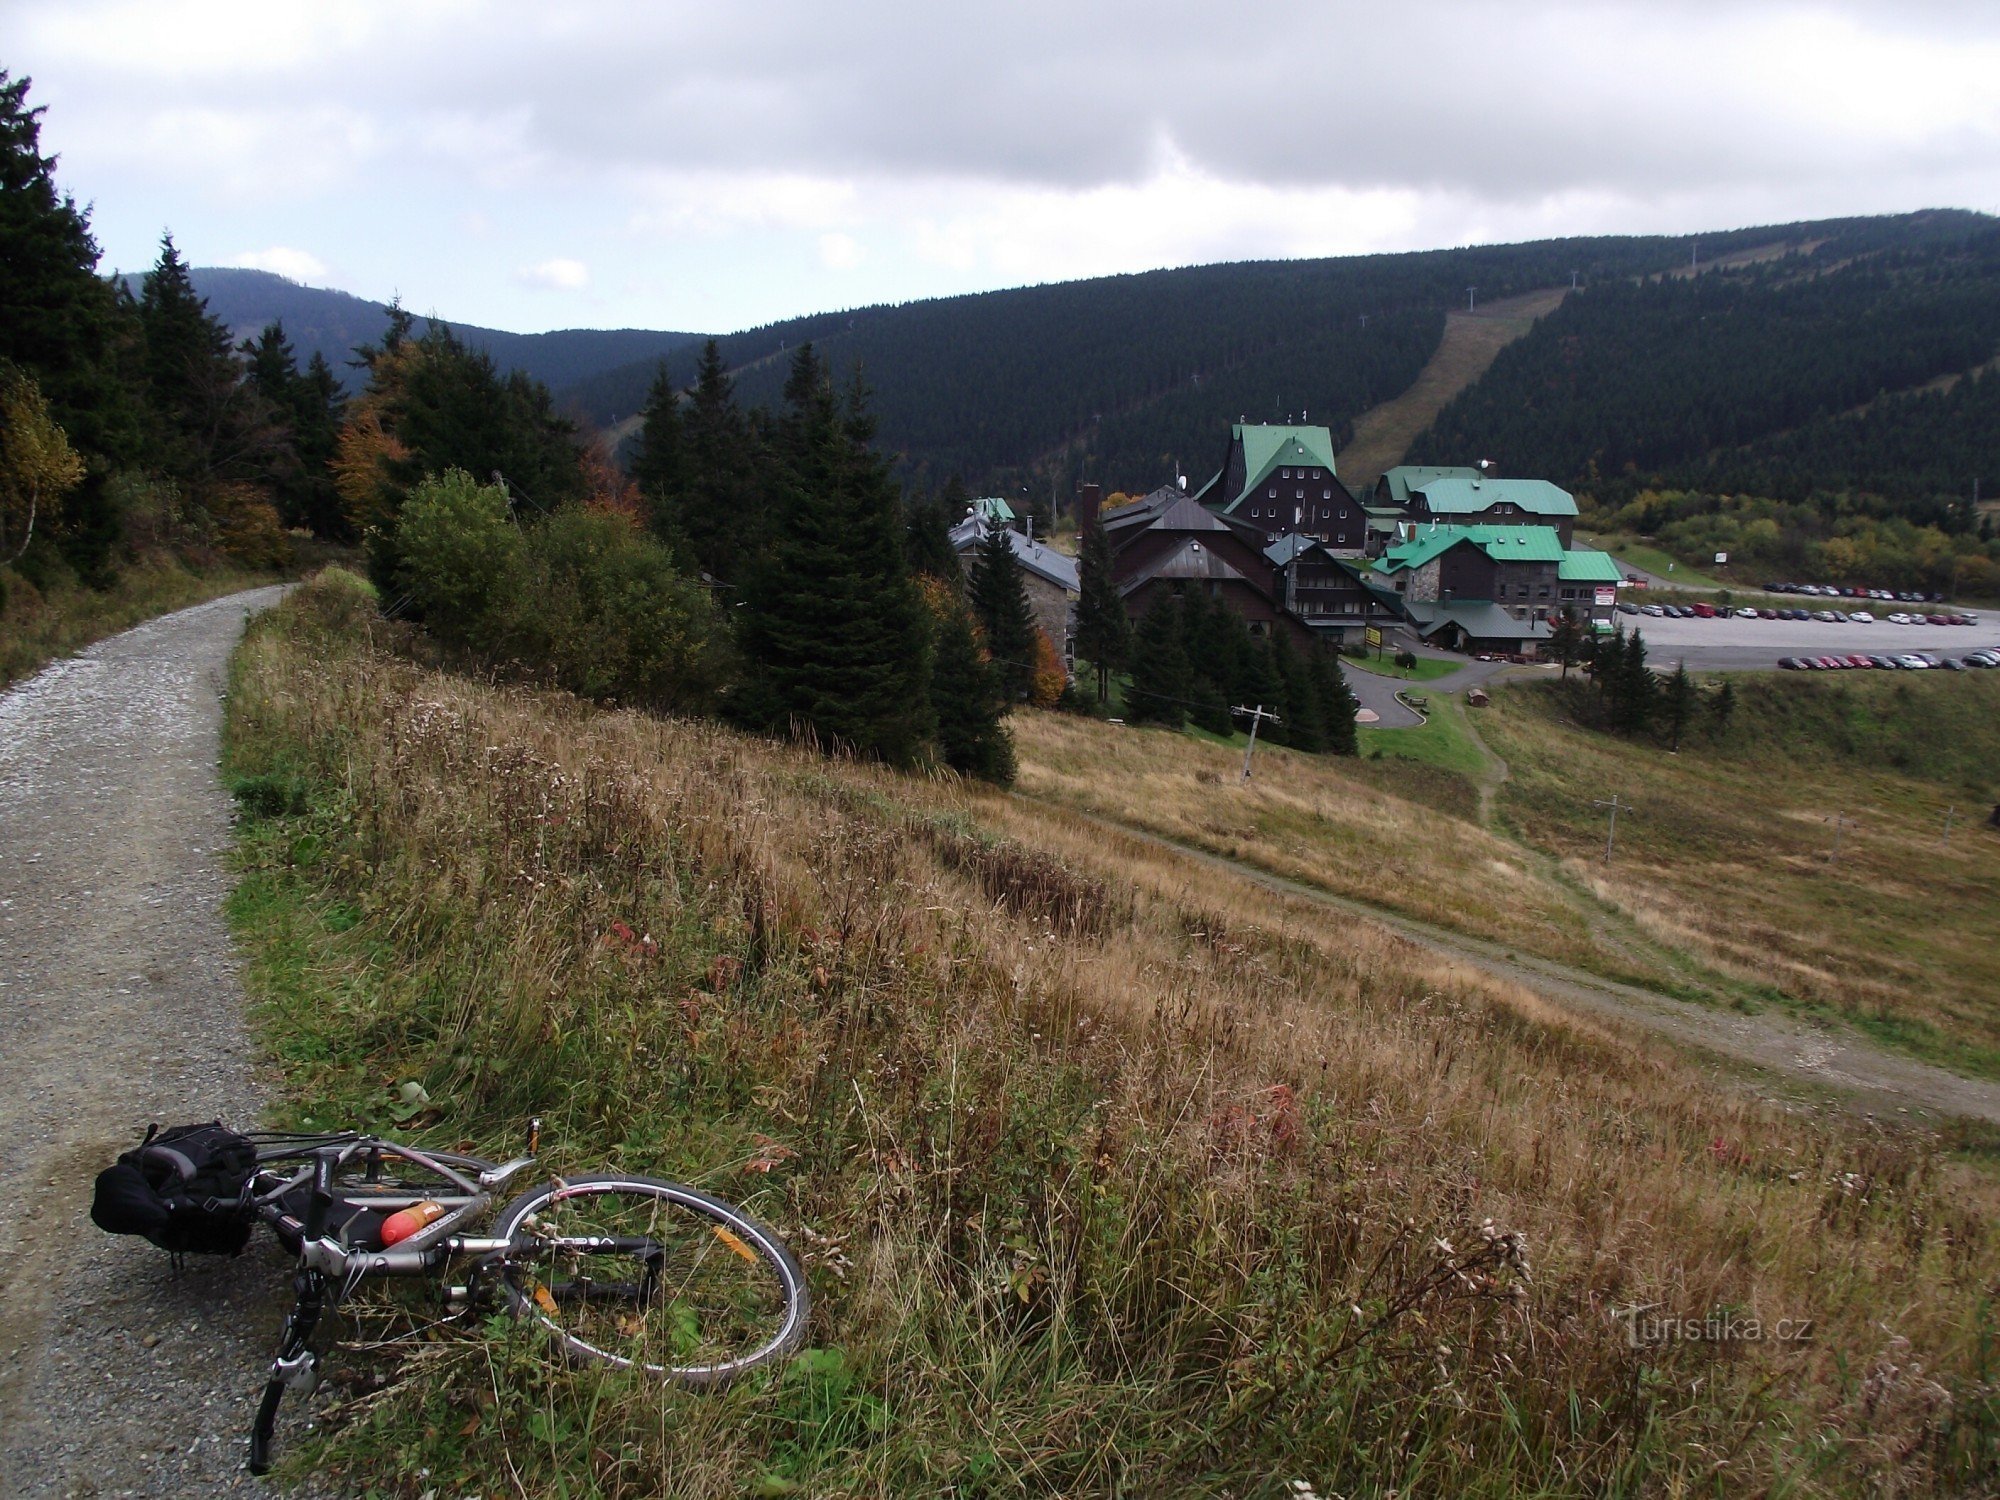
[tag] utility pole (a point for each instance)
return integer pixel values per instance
(1840, 821)
(1469, 296)
(1257, 717)
(1949, 814)
(1572, 280)
(1616, 807)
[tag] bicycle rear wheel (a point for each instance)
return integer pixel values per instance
(640, 1273)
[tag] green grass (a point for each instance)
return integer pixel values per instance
(1427, 669)
(1633, 553)
(1442, 742)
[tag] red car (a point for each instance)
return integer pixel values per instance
(1859, 661)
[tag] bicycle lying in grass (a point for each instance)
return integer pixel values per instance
(625, 1271)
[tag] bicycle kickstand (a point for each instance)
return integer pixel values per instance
(295, 1368)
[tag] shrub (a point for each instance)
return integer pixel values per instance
(459, 559)
(606, 613)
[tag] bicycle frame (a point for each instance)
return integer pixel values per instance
(325, 1261)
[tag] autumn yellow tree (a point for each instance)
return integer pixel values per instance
(37, 465)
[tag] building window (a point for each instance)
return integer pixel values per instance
(1284, 473)
(1271, 493)
(1326, 494)
(1341, 539)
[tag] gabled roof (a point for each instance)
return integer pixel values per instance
(1190, 560)
(1044, 562)
(1406, 477)
(1461, 496)
(1265, 447)
(1588, 565)
(992, 507)
(1173, 511)
(1501, 543)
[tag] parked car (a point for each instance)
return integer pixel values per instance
(1952, 664)
(1886, 663)
(1862, 617)
(1792, 663)
(1703, 611)
(1627, 609)
(1652, 609)
(1859, 661)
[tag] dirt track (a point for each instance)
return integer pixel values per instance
(1774, 1054)
(119, 1004)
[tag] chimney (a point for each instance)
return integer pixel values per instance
(1089, 500)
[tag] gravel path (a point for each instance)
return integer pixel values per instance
(120, 1003)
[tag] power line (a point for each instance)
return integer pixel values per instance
(1616, 807)
(1257, 717)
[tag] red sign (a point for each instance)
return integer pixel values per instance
(1607, 595)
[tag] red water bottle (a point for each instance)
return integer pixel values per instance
(407, 1221)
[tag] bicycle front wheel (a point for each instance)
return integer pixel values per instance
(639, 1273)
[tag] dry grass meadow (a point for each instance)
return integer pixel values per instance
(1731, 853)
(1113, 1174)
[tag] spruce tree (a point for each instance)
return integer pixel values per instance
(999, 597)
(1103, 630)
(1305, 715)
(659, 461)
(1336, 702)
(832, 629)
(1634, 690)
(1722, 707)
(1212, 659)
(1678, 700)
(1566, 639)
(927, 542)
(967, 698)
(317, 408)
(191, 378)
(724, 511)
(59, 322)
(1159, 668)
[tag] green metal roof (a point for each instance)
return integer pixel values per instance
(1476, 617)
(1501, 543)
(1406, 477)
(1266, 447)
(1461, 496)
(1588, 565)
(993, 508)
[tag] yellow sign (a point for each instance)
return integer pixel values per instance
(1373, 636)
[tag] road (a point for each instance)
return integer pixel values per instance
(120, 1004)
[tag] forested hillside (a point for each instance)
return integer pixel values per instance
(1738, 378)
(1122, 378)
(334, 324)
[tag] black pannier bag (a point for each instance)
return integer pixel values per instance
(181, 1188)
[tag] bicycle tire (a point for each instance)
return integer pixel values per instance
(720, 1294)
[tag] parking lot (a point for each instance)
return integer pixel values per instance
(1740, 644)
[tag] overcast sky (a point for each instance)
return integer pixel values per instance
(589, 163)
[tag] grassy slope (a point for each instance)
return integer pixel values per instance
(1471, 341)
(36, 628)
(1113, 1174)
(1727, 854)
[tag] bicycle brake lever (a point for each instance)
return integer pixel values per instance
(497, 1175)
